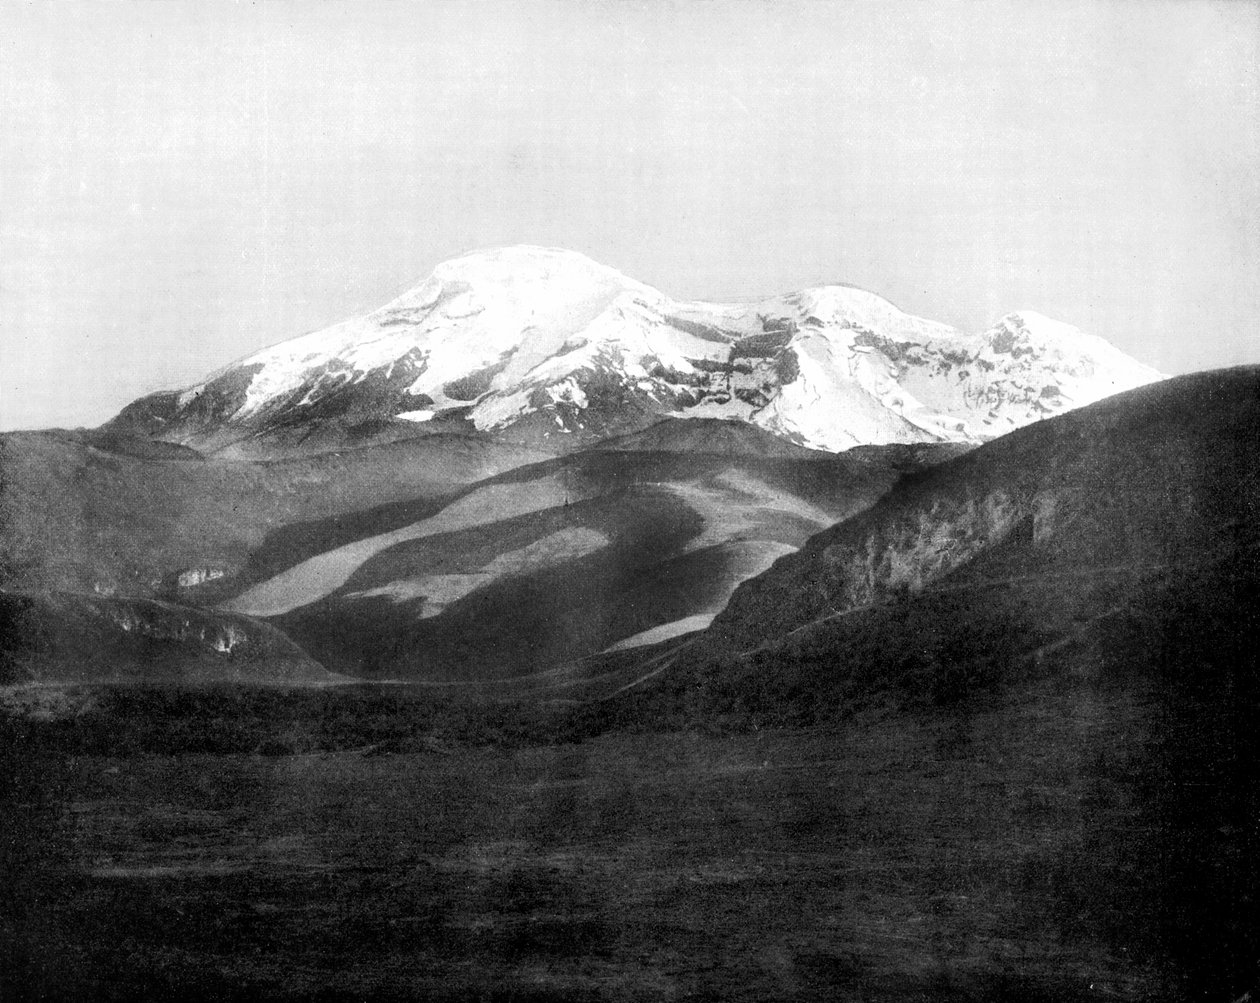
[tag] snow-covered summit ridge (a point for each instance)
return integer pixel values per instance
(544, 344)
(471, 308)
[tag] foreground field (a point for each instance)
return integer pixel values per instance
(1012, 851)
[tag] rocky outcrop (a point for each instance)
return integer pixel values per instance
(1134, 482)
(192, 577)
(876, 556)
(912, 553)
(81, 638)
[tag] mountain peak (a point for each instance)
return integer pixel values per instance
(524, 263)
(548, 346)
(510, 261)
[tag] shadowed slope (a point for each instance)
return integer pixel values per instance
(1028, 557)
(1157, 476)
(62, 637)
(724, 437)
(560, 560)
(77, 517)
(1091, 583)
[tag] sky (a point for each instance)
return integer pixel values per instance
(182, 184)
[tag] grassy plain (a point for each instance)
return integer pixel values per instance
(1002, 851)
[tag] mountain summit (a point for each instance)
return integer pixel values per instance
(548, 347)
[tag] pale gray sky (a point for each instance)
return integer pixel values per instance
(181, 184)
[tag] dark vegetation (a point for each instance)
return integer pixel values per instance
(1172, 654)
(1087, 816)
(1158, 476)
(963, 642)
(276, 721)
(1040, 833)
(25, 636)
(60, 637)
(960, 820)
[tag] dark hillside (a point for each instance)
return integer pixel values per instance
(97, 514)
(1146, 851)
(1087, 588)
(1158, 476)
(63, 637)
(559, 560)
(710, 435)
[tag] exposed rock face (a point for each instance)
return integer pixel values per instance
(930, 544)
(875, 557)
(69, 637)
(1149, 479)
(161, 622)
(927, 545)
(192, 577)
(545, 346)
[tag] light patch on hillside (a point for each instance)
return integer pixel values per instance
(440, 591)
(664, 632)
(745, 559)
(323, 574)
(732, 503)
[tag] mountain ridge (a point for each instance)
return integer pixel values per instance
(1130, 481)
(549, 348)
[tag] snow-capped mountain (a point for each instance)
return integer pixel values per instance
(548, 346)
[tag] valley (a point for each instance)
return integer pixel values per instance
(586, 668)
